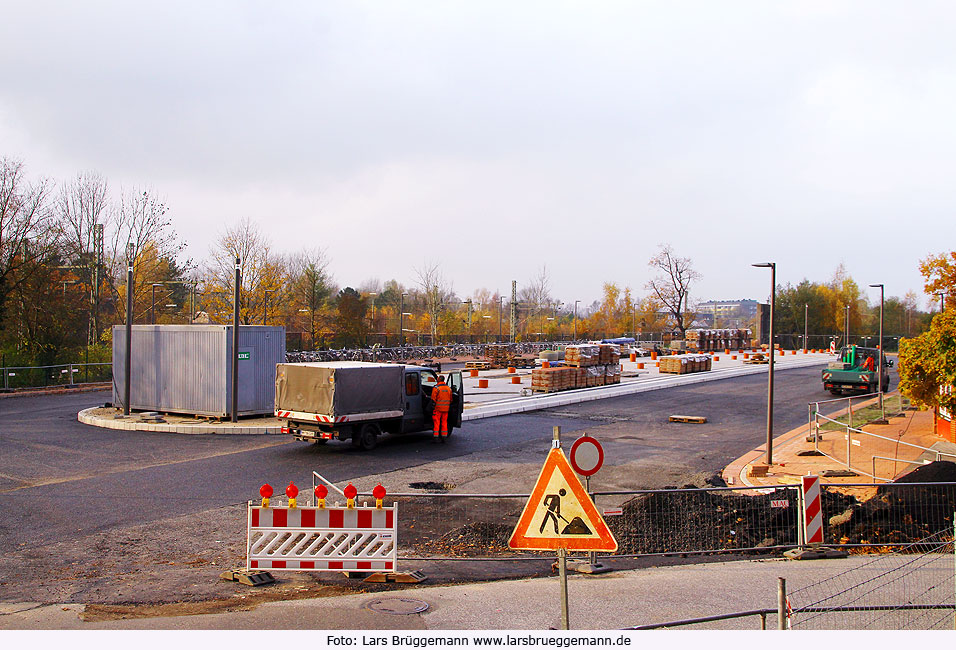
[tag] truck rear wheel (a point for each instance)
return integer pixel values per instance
(365, 437)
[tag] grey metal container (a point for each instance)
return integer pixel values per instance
(186, 368)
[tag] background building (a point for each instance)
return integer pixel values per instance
(727, 313)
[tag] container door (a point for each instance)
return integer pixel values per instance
(457, 398)
(247, 380)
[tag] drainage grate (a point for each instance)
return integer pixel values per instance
(397, 605)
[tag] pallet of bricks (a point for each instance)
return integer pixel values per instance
(552, 380)
(682, 364)
(716, 340)
(499, 356)
(597, 364)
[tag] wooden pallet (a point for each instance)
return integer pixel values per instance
(479, 365)
(693, 419)
(756, 361)
(544, 389)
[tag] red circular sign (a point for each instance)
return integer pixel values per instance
(587, 455)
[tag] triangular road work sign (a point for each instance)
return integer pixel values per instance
(560, 514)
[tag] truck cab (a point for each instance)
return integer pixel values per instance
(419, 382)
(857, 370)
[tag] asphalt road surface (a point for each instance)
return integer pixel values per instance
(60, 479)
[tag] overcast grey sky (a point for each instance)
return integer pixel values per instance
(497, 137)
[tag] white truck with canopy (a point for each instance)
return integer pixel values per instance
(359, 401)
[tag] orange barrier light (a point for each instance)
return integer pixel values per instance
(474, 372)
(516, 380)
(482, 383)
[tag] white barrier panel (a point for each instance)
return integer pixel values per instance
(322, 539)
(812, 510)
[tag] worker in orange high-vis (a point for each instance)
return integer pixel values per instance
(441, 395)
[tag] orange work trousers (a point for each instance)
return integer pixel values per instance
(440, 423)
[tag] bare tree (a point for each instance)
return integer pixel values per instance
(537, 297)
(141, 221)
(83, 211)
(260, 270)
(672, 285)
(311, 285)
(25, 239)
(435, 291)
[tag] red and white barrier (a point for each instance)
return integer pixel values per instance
(812, 510)
(322, 539)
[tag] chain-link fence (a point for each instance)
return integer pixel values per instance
(881, 517)
(886, 515)
(644, 522)
(911, 589)
(60, 375)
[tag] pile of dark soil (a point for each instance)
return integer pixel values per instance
(901, 512)
(941, 471)
(477, 538)
(693, 520)
(699, 520)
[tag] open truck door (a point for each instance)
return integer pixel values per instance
(457, 399)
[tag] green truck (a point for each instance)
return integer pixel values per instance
(857, 371)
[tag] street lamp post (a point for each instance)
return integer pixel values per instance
(846, 326)
(499, 318)
(152, 306)
(371, 322)
(880, 346)
(401, 319)
(575, 337)
(130, 251)
(942, 303)
(806, 312)
(265, 305)
(773, 301)
(235, 343)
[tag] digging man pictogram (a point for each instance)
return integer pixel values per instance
(553, 502)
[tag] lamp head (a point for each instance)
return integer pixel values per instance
(764, 265)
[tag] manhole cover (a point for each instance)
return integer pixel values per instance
(397, 605)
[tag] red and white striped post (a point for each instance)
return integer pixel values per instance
(812, 510)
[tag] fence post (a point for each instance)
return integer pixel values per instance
(69, 371)
(781, 603)
(801, 519)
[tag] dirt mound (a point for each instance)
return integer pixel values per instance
(940, 471)
(697, 520)
(901, 513)
(477, 538)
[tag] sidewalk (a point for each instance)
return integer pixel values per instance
(596, 602)
(789, 463)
